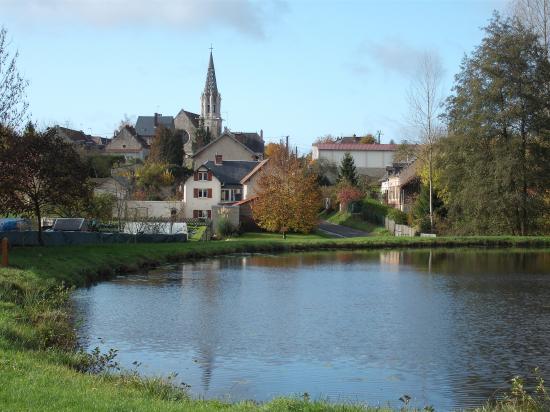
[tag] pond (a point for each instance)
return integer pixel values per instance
(446, 327)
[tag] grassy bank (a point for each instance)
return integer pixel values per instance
(355, 222)
(39, 367)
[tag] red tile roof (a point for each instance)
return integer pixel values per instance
(357, 146)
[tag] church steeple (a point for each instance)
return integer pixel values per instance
(211, 102)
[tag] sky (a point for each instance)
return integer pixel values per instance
(298, 68)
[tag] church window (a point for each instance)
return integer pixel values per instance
(208, 109)
(214, 108)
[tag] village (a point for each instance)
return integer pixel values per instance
(361, 224)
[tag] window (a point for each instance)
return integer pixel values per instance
(202, 175)
(202, 214)
(231, 195)
(202, 193)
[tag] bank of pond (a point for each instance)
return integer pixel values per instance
(314, 330)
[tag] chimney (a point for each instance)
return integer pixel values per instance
(157, 115)
(262, 134)
(219, 160)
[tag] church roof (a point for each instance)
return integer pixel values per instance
(231, 172)
(145, 125)
(251, 140)
(211, 86)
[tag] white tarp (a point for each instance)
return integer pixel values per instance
(153, 228)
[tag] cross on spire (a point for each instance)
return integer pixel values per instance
(211, 48)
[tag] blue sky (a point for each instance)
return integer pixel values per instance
(300, 68)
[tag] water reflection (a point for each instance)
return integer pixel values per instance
(447, 327)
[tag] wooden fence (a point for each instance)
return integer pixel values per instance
(398, 230)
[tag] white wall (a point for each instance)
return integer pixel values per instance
(192, 203)
(150, 208)
(362, 158)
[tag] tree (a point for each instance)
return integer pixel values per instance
(12, 86)
(39, 170)
(535, 15)
(368, 139)
(347, 171)
(406, 152)
(271, 148)
(288, 196)
(494, 163)
(346, 194)
(325, 170)
(425, 103)
(328, 138)
(167, 146)
(202, 138)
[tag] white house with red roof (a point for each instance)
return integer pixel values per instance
(370, 159)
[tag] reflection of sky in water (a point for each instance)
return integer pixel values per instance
(447, 328)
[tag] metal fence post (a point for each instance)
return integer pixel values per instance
(5, 252)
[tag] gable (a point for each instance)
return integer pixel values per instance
(228, 147)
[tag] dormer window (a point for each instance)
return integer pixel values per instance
(202, 175)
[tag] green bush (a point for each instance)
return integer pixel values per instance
(397, 216)
(224, 228)
(373, 211)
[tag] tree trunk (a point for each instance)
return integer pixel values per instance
(431, 191)
(39, 220)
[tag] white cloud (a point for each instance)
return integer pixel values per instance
(246, 16)
(392, 54)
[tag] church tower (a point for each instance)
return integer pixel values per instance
(211, 103)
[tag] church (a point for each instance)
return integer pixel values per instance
(135, 142)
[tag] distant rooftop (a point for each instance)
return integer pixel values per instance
(145, 125)
(357, 147)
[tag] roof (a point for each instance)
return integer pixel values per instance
(75, 136)
(211, 85)
(357, 147)
(251, 140)
(132, 132)
(230, 135)
(145, 125)
(194, 117)
(245, 201)
(231, 172)
(254, 171)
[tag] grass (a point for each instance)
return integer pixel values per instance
(38, 361)
(355, 222)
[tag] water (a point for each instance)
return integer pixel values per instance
(447, 328)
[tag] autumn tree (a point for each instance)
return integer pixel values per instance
(12, 86)
(167, 146)
(346, 194)
(328, 138)
(368, 139)
(39, 171)
(272, 148)
(347, 171)
(288, 196)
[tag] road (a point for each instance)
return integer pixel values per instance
(340, 231)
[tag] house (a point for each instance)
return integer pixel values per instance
(232, 146)
(127, 143)
(217, 182)
(401, 185)
(146, 126)
(370, 159)
(80, 139)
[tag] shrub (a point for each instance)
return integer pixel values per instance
(373, 211)
(224, 227)
(397, 216)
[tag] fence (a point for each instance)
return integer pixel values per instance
(30, 238)
(398, 230)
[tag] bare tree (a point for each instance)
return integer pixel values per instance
(12, 86)
(535, 14)
(425, 102)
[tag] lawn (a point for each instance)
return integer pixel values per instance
(355, 222)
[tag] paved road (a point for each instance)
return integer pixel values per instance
(340, 231)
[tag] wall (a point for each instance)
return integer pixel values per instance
(147, 208)
(182, 122)
(192, 203)
(398, 230)
(126, 144)
(232, 213)
(227, 147)
(370, 163)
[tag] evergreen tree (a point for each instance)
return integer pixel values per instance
(494, 164)
(202, 138)
(347, 171)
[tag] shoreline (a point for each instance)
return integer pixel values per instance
(36, 328)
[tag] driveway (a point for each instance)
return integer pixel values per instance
(340, 231)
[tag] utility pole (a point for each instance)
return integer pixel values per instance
(379, 134)
(287, 151)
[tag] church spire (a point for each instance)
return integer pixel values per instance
(211, 86)
(211, 101)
